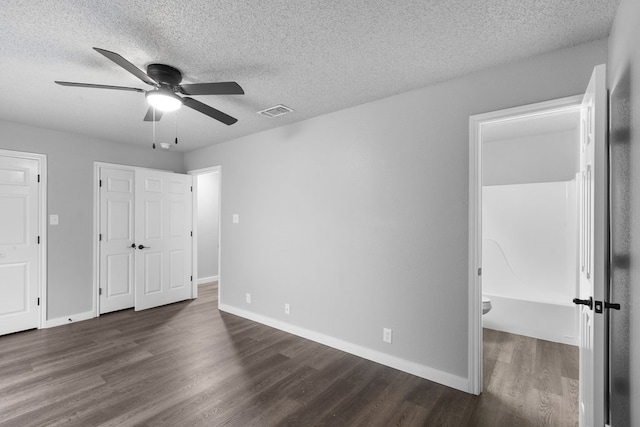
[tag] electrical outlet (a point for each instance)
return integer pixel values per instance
(387, 335)
(235, 218)
(248, 298)
(287, 308)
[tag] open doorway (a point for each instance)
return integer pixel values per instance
(524, 226)
(207, 229)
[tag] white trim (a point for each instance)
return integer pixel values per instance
(42, 227)
(404, 365)
(78, 317)
(476, 122)
(194, 212)
(207, 279)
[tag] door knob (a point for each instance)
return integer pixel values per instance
(587, 302)
(144, 247)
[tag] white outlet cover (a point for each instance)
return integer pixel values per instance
(287, 309)
(248, 298)
(387, 335)
(236, 218)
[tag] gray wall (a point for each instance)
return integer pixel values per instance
(359, 218)
(549, 157)
(624, 84)
(70, 194)
(208, 224)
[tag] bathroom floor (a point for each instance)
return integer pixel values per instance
(527, 381)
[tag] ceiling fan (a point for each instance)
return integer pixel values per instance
(165, 80)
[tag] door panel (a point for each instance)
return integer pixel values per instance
(163, 224)
(117, 230)
(19, 249)
(593, 249)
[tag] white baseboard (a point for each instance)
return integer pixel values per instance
(69, 319)
(207, 279)
(413, 368)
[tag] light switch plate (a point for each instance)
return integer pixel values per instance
(53, 220)
(236, 218)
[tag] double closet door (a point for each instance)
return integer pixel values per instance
(145, 252)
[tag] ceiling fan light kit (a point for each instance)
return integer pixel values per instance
(163, 100)
(166, 82)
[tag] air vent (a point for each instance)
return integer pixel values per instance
(276, 111)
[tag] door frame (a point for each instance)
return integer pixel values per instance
(476, 123)
(194, 211)
(42, 226)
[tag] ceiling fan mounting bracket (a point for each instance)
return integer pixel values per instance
(164, 74)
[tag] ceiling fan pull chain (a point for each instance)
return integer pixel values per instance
(154, 128)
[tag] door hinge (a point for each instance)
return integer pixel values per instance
(38, 239)
(100, 237)
(192, 234)
(192, 188)
(480, 271)
(38, 300)
(38, 177)
(192, 278)
(99, 291)
(100, 184)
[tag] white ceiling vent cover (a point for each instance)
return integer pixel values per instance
(276, 111)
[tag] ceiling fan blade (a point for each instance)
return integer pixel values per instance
(91, 85)
(127, 66)
(151, 117)
(221, 88)
(209, 111)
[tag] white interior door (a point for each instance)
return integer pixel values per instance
(593, 249)
(117, 244)
(163, 203)
(19, 238)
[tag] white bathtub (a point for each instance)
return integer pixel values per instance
(529, 259)
(538, 319)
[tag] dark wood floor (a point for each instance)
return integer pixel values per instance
(187, 364)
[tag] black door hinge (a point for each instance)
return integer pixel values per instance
(100, 237)
(99, 291)
(192, 188)
(100, 184)
(38, 177)
(38, 300)
(192, 234)
(192, 278)
(38, 239)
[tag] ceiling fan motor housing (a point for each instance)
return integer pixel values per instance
(164, 74)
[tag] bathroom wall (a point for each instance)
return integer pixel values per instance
(529, 228)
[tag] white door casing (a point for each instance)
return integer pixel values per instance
(163, 204)
(116, 281)
(593, 249)
(20, 252)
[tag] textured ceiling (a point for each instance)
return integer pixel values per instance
(313, 56)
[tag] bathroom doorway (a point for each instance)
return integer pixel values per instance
(523, 166)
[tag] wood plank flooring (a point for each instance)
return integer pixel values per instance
(187, 364)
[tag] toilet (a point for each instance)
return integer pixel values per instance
(486, 304)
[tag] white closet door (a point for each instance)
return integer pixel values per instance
(117, 191)
(163, 238)
(19, 252)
